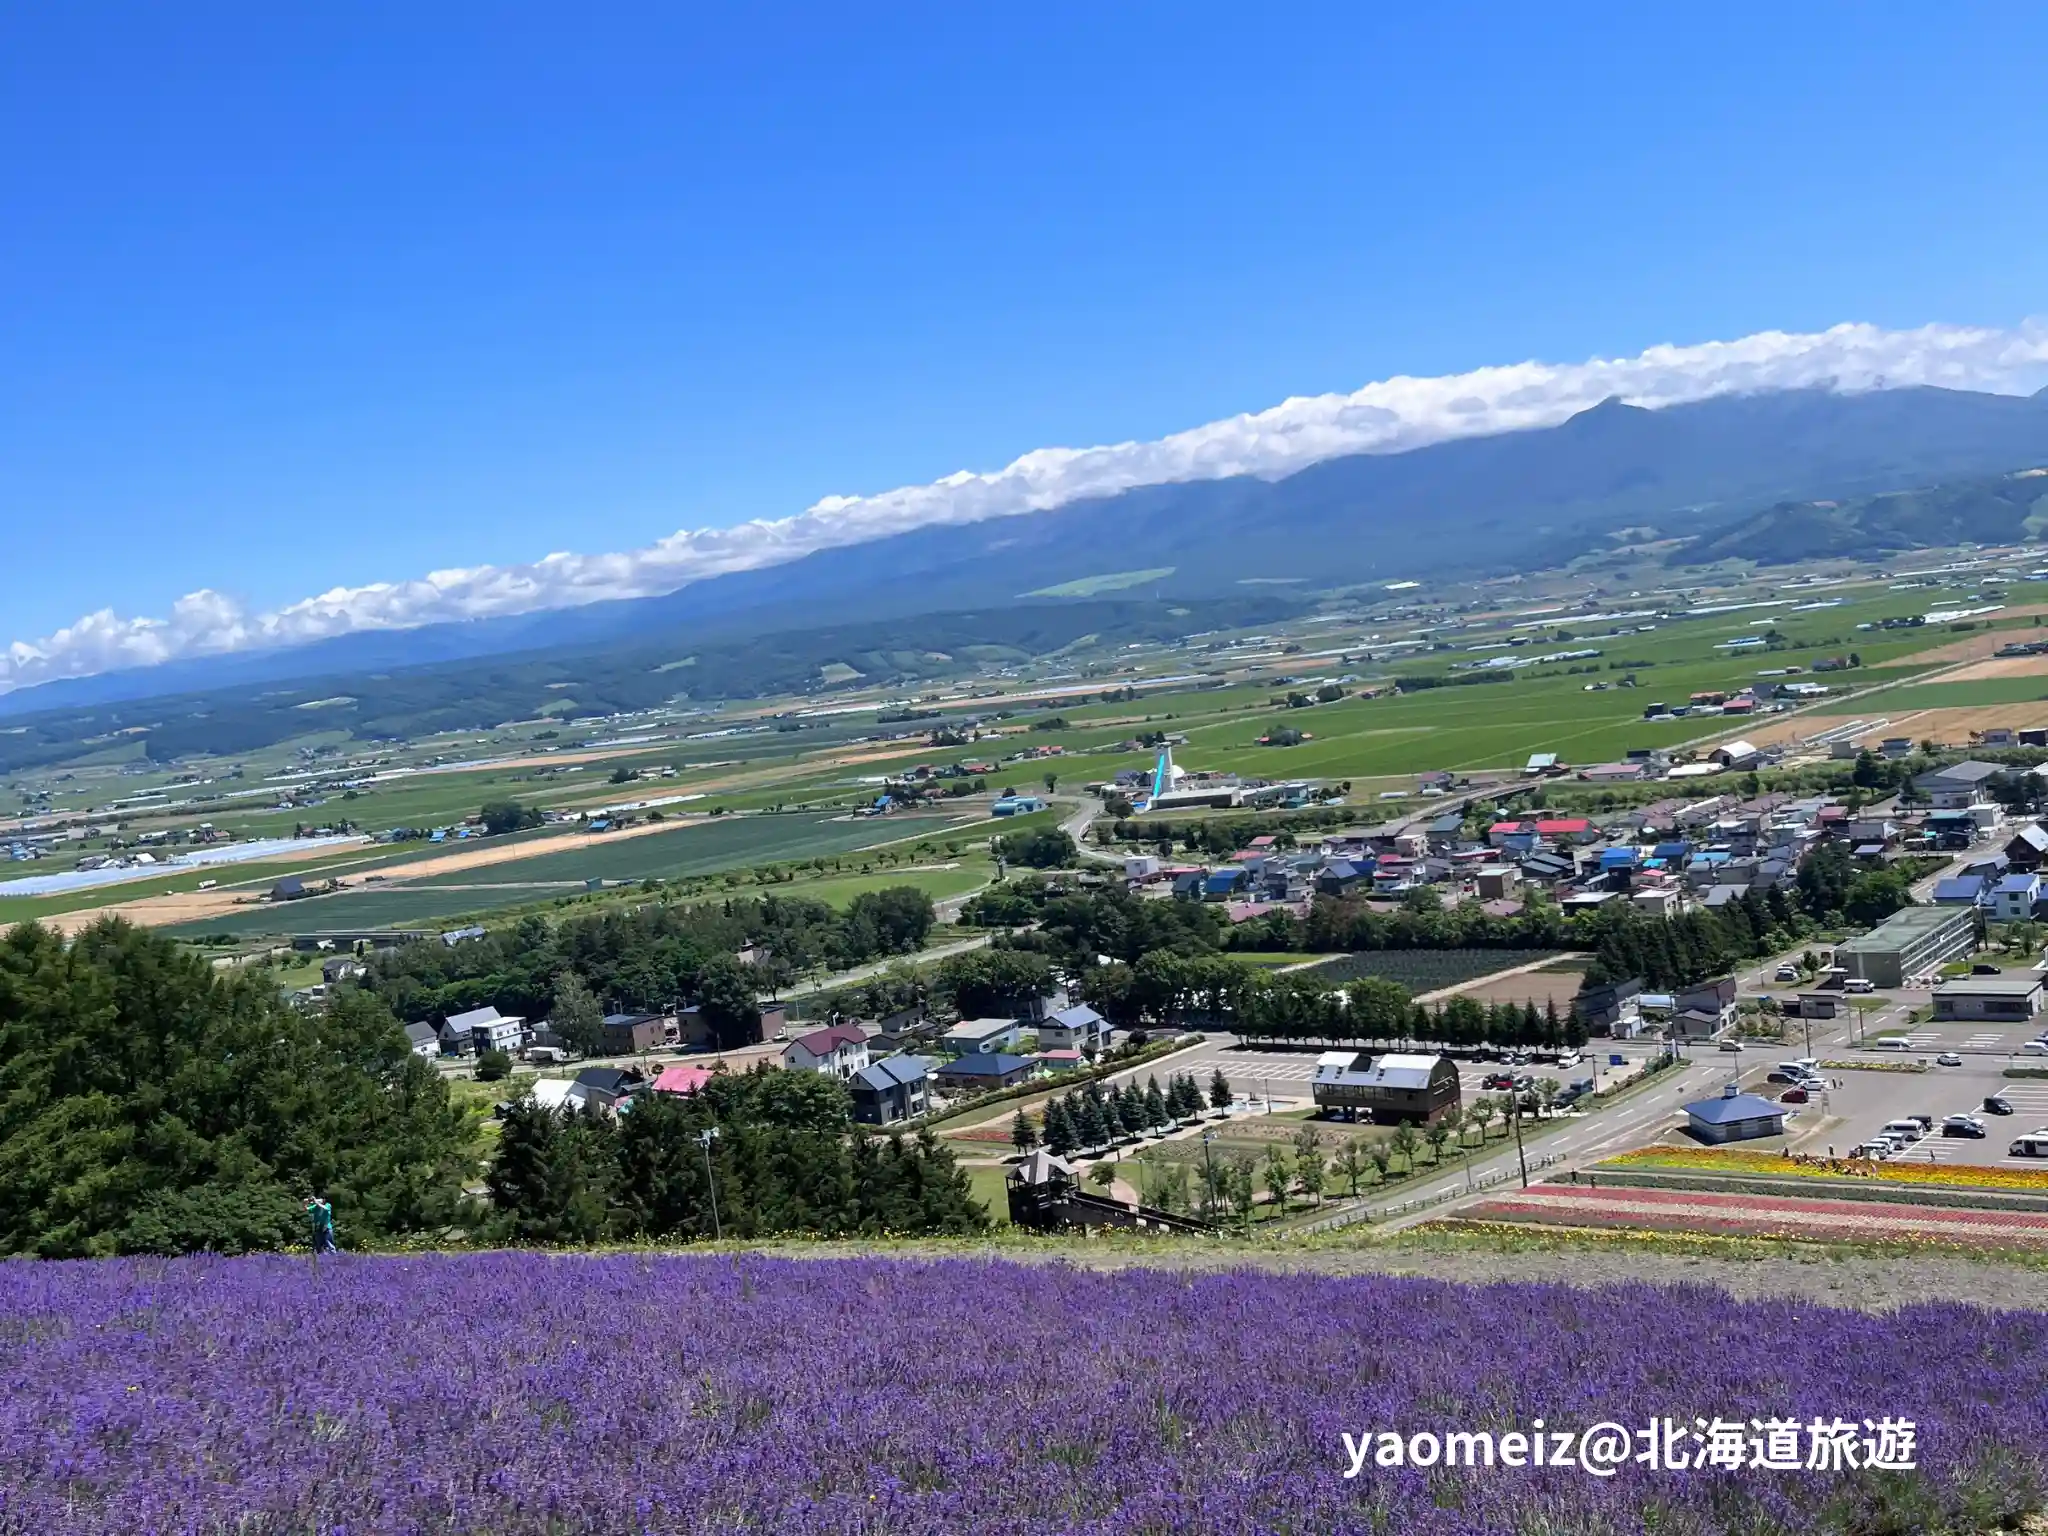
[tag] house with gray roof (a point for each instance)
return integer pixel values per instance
(890, 1089)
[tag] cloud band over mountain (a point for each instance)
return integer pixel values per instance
(1388, 416)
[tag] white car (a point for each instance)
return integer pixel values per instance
(2035, 1048)
(1948, 1059)
(1788, 973)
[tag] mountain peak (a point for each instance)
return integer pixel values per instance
(1612, 409)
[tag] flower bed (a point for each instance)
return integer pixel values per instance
(634, 1393)
(1875, 1066)
(1771, 1165)
(1753, 1215)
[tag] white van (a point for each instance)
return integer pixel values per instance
(1891, 1043)
(1859, 984)
(1568, 1059)
(2034, 1144)
(1905, 1130)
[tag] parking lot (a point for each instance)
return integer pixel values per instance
(1865, 1101)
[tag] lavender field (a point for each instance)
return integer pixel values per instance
(521, 1393)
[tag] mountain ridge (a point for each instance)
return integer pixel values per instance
(1475, 505)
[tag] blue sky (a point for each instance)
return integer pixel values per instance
(289, 301)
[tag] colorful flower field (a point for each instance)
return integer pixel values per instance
(518, 1393)
(1777, 1166)
(1747, 1215)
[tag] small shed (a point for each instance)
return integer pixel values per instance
(1734, 1117)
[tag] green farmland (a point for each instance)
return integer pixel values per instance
(696, 848)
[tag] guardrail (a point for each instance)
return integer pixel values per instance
(1389, 1212)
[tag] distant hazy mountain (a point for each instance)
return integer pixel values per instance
(1519, 499)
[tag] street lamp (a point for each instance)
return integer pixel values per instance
(1208, 1172)
(704, 1139)
(1515, 1114)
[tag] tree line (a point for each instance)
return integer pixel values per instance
(650, 958)
(747, 1155)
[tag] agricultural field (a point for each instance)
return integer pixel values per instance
(1430, 970)
(147, 1395)
(693, 848)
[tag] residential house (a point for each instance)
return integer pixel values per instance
(1496, 882)
(627, 1034)
(1079, 1028)
(891, 1089)
(840, 1050)
(1965, 890)
(982, 1071)
(1705, 1011)
(2028, 848)
(1613, 1010)
(2013, 898)
(1544, 765)
(1566, 829)
(681, 1080)
(605, 1088)
(1958, 786)
(424, 1039)
(290, 888)
(1341, 877)
(974, 1036)
(480, 1030)
(341, 968)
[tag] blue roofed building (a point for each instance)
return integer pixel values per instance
(1960, 890)
(1617, 858)
(1734, 1116)
(980, 1071)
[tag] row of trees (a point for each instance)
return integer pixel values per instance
(749, 1155)
(1095, 1116)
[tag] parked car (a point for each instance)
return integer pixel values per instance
(1859, 984)
(1498, 1081)
(1948, 1059)
(1788, 973)
(1793, 1096)
(1904, 1130)
(1997, 1104)
(1985, 970)
(1871, 1149)
(1780, 1075)
(1926, 1122)
(2034, 1145)
(1963, 1125)
(1731, 1045)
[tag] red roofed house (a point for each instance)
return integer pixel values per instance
(841, 1050)
(683, 1080)
(1566, 829)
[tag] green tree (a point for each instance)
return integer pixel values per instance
(1022, 1135)
(1156, 1115)
(1404, 1142)
(1436, 1136)
(728, 1002)
(1102, 1176)
(493, 1067)
(1279, 1174)
(502, 816)
(150, 1105)
(550, 1180)
(576, 1016)
(1351, 1163)
(1219, 1090)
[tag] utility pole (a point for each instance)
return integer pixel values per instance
(1208, 1172)
(704, 1139)
(1515, 1114)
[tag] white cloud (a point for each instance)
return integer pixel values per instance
(1388, 416)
